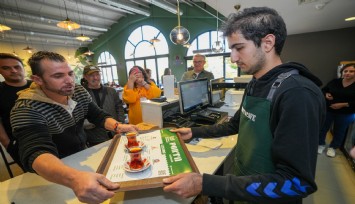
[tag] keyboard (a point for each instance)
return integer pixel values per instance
(204, 112)
(181, 122)
(218, 104)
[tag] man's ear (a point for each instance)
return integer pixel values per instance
(268, 42)
(38, 80)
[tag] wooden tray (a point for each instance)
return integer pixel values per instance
(141, 183)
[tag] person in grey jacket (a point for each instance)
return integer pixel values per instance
(278, 123)
(107, 99)
(198, 71)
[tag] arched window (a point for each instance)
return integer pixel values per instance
(142, 51)
(108, 67)
(217, 63)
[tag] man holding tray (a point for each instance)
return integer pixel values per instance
(278, 123)
(47, 120)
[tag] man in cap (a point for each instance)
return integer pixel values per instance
(107, 99)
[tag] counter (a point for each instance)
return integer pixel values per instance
(30, 188)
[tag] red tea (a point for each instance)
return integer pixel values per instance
(135, 154)
(132, 140)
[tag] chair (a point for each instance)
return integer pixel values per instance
(7, 163)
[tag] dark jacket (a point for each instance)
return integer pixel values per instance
(297, 114)
(111, 104)
(340, 94)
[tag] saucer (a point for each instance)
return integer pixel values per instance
(145, 166)
(140, 144)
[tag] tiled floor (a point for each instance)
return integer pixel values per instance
(335, 179)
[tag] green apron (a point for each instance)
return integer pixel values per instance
(253, 151)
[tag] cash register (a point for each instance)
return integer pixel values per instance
(194, 99)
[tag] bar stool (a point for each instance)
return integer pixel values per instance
(7, 163)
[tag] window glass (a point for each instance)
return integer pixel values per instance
(129, 50)
(151, 63)
(204, 41)
(141, 51)
(163, 63)
(215, 62)
(136, 36)
(108, 67)
(144, 49)
(232, 69)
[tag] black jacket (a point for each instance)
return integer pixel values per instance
(297, 114)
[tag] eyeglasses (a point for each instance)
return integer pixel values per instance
(197, 62)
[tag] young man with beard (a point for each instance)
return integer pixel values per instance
(11, 68)
(47, 120)
(278, 124)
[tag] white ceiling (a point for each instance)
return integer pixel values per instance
(37, 21)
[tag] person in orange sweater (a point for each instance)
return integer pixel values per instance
(137, 89)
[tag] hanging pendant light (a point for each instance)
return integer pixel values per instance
(4, 28)
(28, 49)
(187, 45)
(179, 35)
(154, 40)
(68, 24)
(217, 46)
(83, 38)
(89, 53)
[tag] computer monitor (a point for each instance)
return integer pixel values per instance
(216, 90)
(193, 95)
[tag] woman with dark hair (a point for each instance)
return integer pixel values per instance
(137, 89)
(149, 74)
(167, 71)
(340, 96)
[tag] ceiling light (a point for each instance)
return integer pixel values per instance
(83, 37)
(154, 40)
(350, 19)
(179, 35)
(187, 45)
(88, 53)
(4, 28)
(217, 47)
(28, 49)
(68, 24)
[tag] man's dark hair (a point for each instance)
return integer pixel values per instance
(35, 60)
(10, 56)
(255, 23)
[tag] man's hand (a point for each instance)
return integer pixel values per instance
(338, 105)
(185, 185)
(184, 133)
(127, 128)
(329, 96)
(92, 187)
(89, 187)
